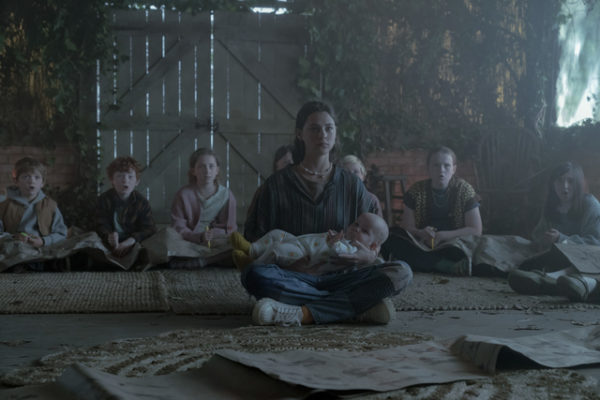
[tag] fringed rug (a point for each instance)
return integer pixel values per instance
(219, 291)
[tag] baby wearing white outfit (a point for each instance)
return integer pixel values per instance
(284, 249)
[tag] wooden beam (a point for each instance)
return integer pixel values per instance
(288, 103)
(156, 71)
(122, 121)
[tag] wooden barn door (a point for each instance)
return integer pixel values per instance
(225, 81)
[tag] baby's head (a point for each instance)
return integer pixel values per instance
(29, 175)
(124, 174)
(368, 229)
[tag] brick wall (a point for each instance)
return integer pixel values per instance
(412, 165)
(62, 163)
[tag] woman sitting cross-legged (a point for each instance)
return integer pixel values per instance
(436, 211)
(314, 195)
(569, 216)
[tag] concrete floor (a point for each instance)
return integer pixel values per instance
(26, 338)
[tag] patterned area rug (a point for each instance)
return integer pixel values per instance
(514, 385)
(187, 349)
(218, 291)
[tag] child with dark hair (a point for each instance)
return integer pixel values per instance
(124, 216)
(567, 209)
(570, 215)
(27, 214)
(204, 210)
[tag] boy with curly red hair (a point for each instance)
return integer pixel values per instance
(124, 216)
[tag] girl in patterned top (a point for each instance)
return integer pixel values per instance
(437, 210)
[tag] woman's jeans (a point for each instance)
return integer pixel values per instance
(332, 297)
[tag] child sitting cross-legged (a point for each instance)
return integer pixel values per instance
(27, 214)
(124, 216)
(204, 212)
(317, 250)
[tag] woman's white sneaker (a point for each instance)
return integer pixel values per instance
(272, 312)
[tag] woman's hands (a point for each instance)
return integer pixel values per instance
(362, 256)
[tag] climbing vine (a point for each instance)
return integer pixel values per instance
(402, 74)
(49, 52)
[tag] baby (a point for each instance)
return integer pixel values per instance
(369, 231)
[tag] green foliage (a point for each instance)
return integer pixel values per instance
(48, 55)
(340, 65)
(47, 59)
(564, 143)
(403, 74)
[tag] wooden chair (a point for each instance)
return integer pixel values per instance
(506, 162)
(391, 197)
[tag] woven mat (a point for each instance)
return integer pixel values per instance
(208, 291)
(80, 292)
(185, 349)
(432, 292)
(218, 291)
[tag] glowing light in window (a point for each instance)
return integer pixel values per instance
(577, 86)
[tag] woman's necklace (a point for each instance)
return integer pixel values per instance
(320, 174)
(440, 198)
